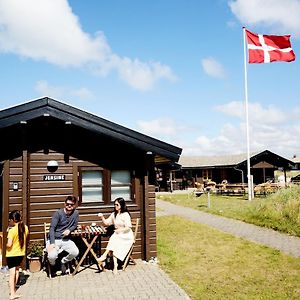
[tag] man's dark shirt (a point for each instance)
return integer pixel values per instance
(61, 222)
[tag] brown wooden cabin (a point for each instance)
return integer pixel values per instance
(97, 161)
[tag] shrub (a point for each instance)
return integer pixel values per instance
(35, 248)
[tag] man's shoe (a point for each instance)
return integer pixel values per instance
(63, 269)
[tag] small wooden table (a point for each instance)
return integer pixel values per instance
(89, 235)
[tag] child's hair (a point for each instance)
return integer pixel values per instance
(16, 216)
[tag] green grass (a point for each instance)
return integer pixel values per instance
(279, 211)
(209, 264)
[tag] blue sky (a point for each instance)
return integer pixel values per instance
(172, 69)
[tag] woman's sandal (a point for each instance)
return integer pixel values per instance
(101, 262)
(16, 296)
(101, 258)
(116, 272)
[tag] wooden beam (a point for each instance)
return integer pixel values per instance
(25, 187)
(5, 207)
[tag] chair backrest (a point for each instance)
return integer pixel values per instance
(46, 231)
(135, 226)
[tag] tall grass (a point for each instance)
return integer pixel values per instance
(279, 211)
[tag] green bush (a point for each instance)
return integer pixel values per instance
(35, 249)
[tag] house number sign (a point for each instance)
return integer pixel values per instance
(54, 177)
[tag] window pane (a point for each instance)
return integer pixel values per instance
(120, 185)
(92, 186)
(92, 195)
(120, 191)
(120, 177)
(91, 178)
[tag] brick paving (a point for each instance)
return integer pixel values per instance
(141, 281)
(268, 237)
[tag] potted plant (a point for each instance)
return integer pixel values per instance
(34, 255)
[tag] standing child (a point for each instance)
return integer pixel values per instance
(15, 249)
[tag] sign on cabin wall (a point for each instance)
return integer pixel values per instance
(54, 177)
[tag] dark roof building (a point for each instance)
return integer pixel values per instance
(96, 160)
(233, 168)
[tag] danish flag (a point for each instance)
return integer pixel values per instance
(269, 48)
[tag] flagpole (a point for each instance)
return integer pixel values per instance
(247, 119)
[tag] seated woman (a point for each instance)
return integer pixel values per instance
(122, 239)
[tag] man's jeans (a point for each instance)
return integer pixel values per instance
(62, 245)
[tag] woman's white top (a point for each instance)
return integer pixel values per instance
(120, 243)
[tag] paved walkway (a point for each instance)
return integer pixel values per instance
(283, 242)
(142, 281)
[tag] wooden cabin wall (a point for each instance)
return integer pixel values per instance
(15, 176)
(151, 217)
(45, 197)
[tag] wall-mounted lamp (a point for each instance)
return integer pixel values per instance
(52, 166)
(15, 186)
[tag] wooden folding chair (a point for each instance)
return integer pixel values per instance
(129, 258)
(46, 262)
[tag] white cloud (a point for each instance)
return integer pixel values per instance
(60, 92)
(83, 93)
(267, 131)
(277, 15)
(257, 113)
(213, 68)
(142, 75)
(163, 127)
(43, 88)
(267, 126)
(231, 139)
(48, 30)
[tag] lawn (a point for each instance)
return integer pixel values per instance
(209, 264)
(279, 211)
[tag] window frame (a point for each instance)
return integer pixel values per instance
(81, 169)
(106, 186)
(131, 185)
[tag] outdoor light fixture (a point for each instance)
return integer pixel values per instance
(52, 166)
(15, 186)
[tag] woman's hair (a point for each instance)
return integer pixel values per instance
(16, 216)
(122, 205)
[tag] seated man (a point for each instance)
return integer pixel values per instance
(64, 221)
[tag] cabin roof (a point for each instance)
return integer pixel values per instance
(46, 107)
(238, 160)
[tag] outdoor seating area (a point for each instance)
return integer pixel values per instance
(238, 189)
(88, 239)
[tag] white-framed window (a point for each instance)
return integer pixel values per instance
(98, 186)
(91, 186)
(120, 185)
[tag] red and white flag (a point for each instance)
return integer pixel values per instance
(268, 48)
